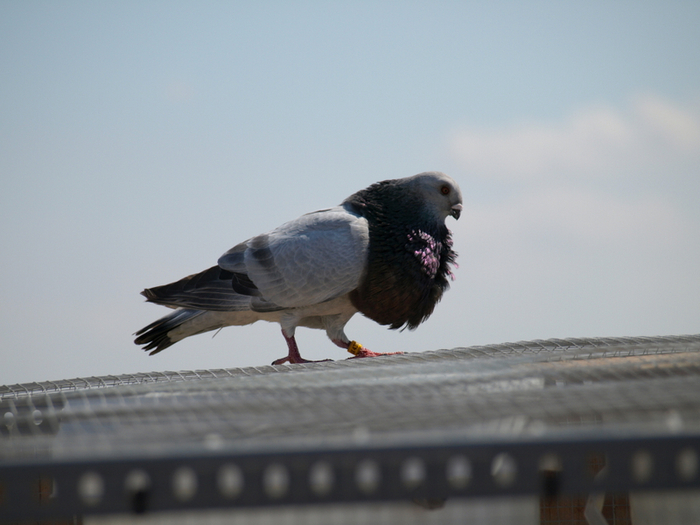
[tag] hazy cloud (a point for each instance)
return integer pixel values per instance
(593, 227)
(586, 218)
(595, 142)
(580, 182)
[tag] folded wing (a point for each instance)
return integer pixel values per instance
(315, 258)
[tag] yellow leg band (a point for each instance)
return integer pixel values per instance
(354, 348)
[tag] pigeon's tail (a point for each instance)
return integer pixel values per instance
(214, 289)
(168, 330)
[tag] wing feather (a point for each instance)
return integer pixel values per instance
(208, 290)
(315, 258)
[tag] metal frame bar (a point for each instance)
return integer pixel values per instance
(46, 489)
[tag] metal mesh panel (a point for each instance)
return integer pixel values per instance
(510, 419)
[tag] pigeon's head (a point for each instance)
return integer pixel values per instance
(439, 192)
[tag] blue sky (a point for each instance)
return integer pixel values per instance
(141, 140)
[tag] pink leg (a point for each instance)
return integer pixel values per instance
(294, 357)
(358, 350)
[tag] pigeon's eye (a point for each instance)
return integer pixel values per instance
(445, 190)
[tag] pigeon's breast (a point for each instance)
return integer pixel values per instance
(405, 278)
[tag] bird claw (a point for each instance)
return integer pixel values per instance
(358, 350)
(294, 361)
(293, 357)
(368, 353)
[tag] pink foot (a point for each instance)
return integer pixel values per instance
(294, 357)
(368, 353)
(294, 360)
(290, 360)
(358, 350)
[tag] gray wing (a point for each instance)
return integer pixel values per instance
(317, 257)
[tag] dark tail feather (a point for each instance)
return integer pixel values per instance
(155, 335)
(214, 289)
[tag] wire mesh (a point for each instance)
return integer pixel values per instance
(523, 418)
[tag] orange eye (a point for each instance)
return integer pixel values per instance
(445, 190)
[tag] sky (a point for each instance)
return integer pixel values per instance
(139, 141)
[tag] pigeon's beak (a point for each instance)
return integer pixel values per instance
(456, 211)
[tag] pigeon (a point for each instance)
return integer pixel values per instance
(384, 252)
